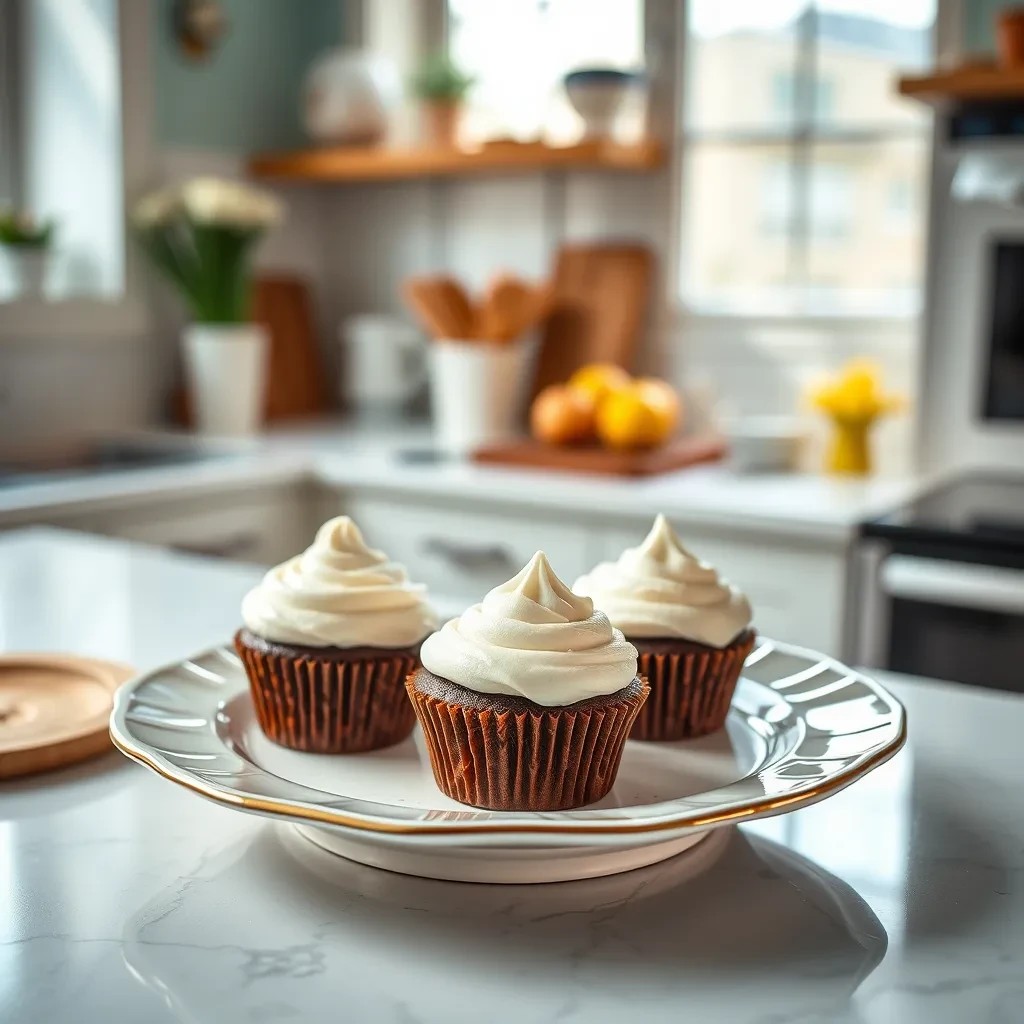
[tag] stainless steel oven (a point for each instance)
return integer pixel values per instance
(941, 586)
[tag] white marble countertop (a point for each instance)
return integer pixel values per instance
(367, 456)
(125, 899)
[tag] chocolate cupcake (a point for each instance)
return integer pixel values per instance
(690, 627)
(329, 639)
(526, 700)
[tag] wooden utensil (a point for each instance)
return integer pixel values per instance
(505, 308)
(54, 710)
(420, 295)
(598, 307)
(459, 311)
(441, 306)
(295, 373)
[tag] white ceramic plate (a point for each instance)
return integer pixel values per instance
(802, 726)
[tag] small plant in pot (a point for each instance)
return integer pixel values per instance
(25, 246)
(441, 87)
(201, 236)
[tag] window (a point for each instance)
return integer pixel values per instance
(518, 51)
(803, 172)
(785, 89)
(831, 201)
(900, 206)
(60, 140)
(9, 143)
(776, 204)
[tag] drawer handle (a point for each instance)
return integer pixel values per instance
(234, 546)
(469, 557)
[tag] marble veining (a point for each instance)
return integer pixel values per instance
(124, 899)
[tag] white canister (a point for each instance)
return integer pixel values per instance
(478, 391)
(384, 361)
(226, 371)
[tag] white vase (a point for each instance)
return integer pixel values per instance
(25, 267)
(478, 391)
(226, 371)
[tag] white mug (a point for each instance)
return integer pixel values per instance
(385, 360)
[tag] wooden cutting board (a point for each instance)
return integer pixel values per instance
(677, 454)
(601, 293)
(296, 381)
(54, 710)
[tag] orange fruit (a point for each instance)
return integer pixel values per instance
(599, 380)
(627, 420)
(562, 415)
(663, 400)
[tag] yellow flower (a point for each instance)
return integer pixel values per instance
(856, 396)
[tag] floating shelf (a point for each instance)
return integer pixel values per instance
(381, 163)
(963, 84)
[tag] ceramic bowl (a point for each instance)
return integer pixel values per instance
(597, 95)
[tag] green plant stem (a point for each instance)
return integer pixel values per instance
(209, 265)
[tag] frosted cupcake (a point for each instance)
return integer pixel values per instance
(329, 639)
(691, 629)
(526, 700)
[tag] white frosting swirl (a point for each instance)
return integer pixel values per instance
(339, 593)
(533, 637)
(660, 590)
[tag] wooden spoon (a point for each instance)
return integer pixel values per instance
(509, 308)
(421, 295)
(458, 312)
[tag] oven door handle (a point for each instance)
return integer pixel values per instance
(954, 584)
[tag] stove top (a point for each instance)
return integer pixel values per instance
(979, 514)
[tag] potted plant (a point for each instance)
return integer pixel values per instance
(441, 87)
(25, 244)
(201, 236)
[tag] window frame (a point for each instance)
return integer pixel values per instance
(800, 137)
(89, 320)
(10, 102)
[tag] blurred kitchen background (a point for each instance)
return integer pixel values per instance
(797, 224)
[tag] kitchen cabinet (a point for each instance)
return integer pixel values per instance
(262, 524)
(462, 550)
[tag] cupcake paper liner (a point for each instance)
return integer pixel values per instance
(330, 706)
(691, 690)
(527, 760)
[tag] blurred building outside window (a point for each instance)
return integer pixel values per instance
(804, 175)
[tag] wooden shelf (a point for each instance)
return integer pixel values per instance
(379, 163)
(970, 82)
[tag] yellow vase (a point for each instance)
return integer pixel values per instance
(849, 450)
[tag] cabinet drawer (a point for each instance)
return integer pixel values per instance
(461, 554)
(797, 594)
(263, 527)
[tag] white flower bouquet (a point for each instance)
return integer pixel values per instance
(201, 236)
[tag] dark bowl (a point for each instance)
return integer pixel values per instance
(603, 76)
